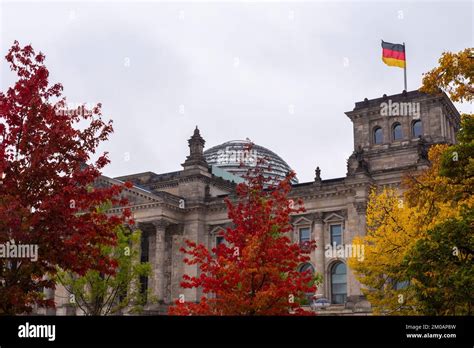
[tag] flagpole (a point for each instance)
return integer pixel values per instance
(405, 67)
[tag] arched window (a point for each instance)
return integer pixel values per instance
(416, 129)
(378, 135)
(397, 131)
(338, 283)
(306, 267)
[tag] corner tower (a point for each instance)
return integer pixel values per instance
(392, 134)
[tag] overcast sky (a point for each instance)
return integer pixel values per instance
(279, 73)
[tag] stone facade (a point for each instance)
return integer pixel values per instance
(189, 204)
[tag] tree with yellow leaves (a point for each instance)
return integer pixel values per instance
(454, 75)
(395, 224)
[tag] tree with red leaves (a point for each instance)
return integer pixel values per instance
(47, 193)
(255, 271)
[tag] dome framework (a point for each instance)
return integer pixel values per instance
(235, 157)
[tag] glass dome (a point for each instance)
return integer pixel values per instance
(229, 156)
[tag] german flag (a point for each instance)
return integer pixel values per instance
(393, 54)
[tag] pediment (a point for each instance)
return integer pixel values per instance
(135, 195)
(216, 230)
(302, 221)
(334, 217)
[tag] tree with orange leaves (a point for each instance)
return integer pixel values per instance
(255, 271)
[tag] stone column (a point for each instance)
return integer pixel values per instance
(360, 209)
(319, 252)
(177, 263)
(159, 257)
(196, 231)
(135, 255)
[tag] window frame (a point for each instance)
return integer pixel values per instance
(300, 228)
(217, 238)
(332, 273)
(300, 267)
(374, 137)
(342, 232)
(394, 126)
(413, 128)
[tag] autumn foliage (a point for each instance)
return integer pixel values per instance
(398, 280)
(255, 272)
(454, 75)
(46, 191)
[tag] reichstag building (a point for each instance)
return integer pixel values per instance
(189, 204)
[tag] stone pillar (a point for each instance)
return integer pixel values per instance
(197, 231)
(177, 263)
(167, 267)
(319, 252)
(135, 254)
(360, 209)
(158, 282)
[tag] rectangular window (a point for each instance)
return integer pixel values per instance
(144, 245)
(336, 234)
(219, 240)
(305, 235)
